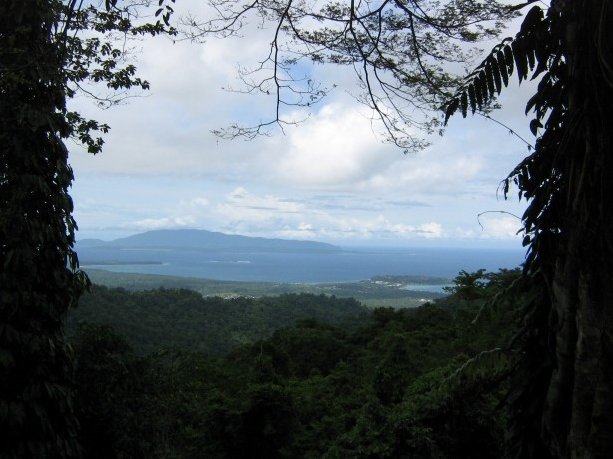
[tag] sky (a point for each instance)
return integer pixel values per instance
(332, 178)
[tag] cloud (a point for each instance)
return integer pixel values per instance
(381, 228)
(405, 203)
(431, 230)
(335, 149)
(272, 216)
(506, 227)
(302, 231)
(242, 212)
(348, 202)
(241, 201)
(196, 202)
(161, 223)
(434, 172)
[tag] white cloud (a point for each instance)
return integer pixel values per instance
(242, 204)
(148, 224)
(240, 197)
(272, 216)
(197, 202)
(506, 227)
(302, 231)
(335, 149)
(431, 230)
(434, 172)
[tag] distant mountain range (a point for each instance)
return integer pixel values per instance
(206, 240)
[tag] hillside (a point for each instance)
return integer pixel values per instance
(206, 240)
(404, 383)
(371, 292)
(182, 319)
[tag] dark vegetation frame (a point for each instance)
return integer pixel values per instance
(50, 51)
(564, 397)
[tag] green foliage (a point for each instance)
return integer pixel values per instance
(425, 383)
(456, 420)
(376, 292)
(109, 397)
(526, 54)
(468, 286)
(567, 224)
(481, 285)
(38, 276)
(183, 319)
(95, 59)
(48, 50)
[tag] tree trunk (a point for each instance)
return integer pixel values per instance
(578, 410)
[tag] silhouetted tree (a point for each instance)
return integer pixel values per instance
(565, 386)
(39, 280)
(46, 58)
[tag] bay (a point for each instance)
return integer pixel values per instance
(346, 265)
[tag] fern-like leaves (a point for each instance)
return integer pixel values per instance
(526, 54)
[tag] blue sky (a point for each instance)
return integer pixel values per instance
(332, 178)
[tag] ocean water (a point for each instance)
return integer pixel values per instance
(348, 265)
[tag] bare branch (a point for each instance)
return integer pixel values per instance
(496, 212)
(398, 49)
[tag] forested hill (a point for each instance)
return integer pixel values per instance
(207, 240)
(183, 319)
(427, 382)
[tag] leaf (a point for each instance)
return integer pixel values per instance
(540, 68)
(472, 99)
(535, 124)
(531, 20)
(534, 100)
(508, 59)
(489, 73)
(451, 109)
(520, 58)
(479, 90)
(464, 103)
(496, 75)
(531, 59)
(542, 53)
(485, 94)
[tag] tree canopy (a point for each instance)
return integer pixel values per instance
(385, 386)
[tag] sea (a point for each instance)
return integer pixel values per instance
(346, 265)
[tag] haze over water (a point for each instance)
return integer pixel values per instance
(350, 264)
